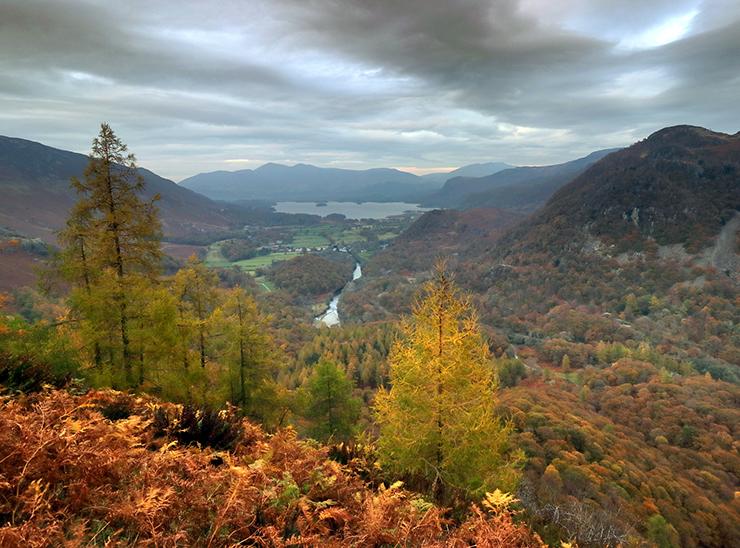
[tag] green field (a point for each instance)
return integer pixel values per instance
(250, 265)
(321, 236)
(265, 284)
(310, 237)
(214, 257)
(216, 260)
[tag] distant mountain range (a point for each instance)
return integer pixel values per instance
(680, 186)
(472, 170)
(304, 182)
(517, 188)
(36, 195)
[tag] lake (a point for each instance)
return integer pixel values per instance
(351, 210)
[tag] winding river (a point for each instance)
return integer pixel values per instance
(330, 316)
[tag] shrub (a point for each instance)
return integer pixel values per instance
(201, 426)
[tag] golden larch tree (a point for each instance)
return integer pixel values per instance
(112, 247)
(437, 421)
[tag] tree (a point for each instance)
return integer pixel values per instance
(112, 244)
(248, 352)
(76, 268)
(195, 288)
(662, 533)
(329, 404)
(437, 421)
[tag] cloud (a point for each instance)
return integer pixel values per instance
(363, 83)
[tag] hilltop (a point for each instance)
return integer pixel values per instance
(277, 182)
(681, 185)
(37, 196)
(305, 182)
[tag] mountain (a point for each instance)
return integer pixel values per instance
(471, 170)
(37, 197)
(518, 188)
(681, 186)
(303, 182)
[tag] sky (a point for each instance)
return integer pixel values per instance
(421, 85)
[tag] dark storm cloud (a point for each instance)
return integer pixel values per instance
(363, 83)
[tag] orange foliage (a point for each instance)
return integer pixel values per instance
(69, 476)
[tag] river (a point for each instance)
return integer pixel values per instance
(330, 316)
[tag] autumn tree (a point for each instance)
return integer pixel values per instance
(329, 404)
(195, 289)
(437, 421)
(248, 352)
(112, 246)
(76, 266)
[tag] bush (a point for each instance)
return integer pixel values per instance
(200, 426)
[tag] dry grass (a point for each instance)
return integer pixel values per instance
(71, 477)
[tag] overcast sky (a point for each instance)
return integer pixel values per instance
(415, 84)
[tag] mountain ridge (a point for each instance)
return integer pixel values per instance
(35, 181)
(523, 188)
(306, 182)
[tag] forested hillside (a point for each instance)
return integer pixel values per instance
(617, 298)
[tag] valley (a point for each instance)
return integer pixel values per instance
(609, 313)
(369, 274)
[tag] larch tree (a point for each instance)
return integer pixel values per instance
(248, 351)
(437, 422)
(329, 403)
(195, 287)
(116, 235)
(75, 266)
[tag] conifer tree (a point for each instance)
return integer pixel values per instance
(329, 403)
(248, 351)
(437, 421)
(76, 267)
(116, 236)
(195, 287)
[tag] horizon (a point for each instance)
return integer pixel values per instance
(415, 87)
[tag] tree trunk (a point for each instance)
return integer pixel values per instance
(118, 263)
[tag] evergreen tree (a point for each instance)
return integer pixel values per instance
(111, 248)
(437, 421)
(329, 405)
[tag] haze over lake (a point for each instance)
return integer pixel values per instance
(351, 210)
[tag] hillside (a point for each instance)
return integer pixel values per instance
(37, 197)
(303, 182)
(390, 276)
(681, 185)
(109, 468)
(519, 188)
(619, 332)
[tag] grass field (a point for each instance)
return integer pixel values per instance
(310, 237)
(265, 284)
(216, 260)
(321, 236)
(214, 257)
(250, 265)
